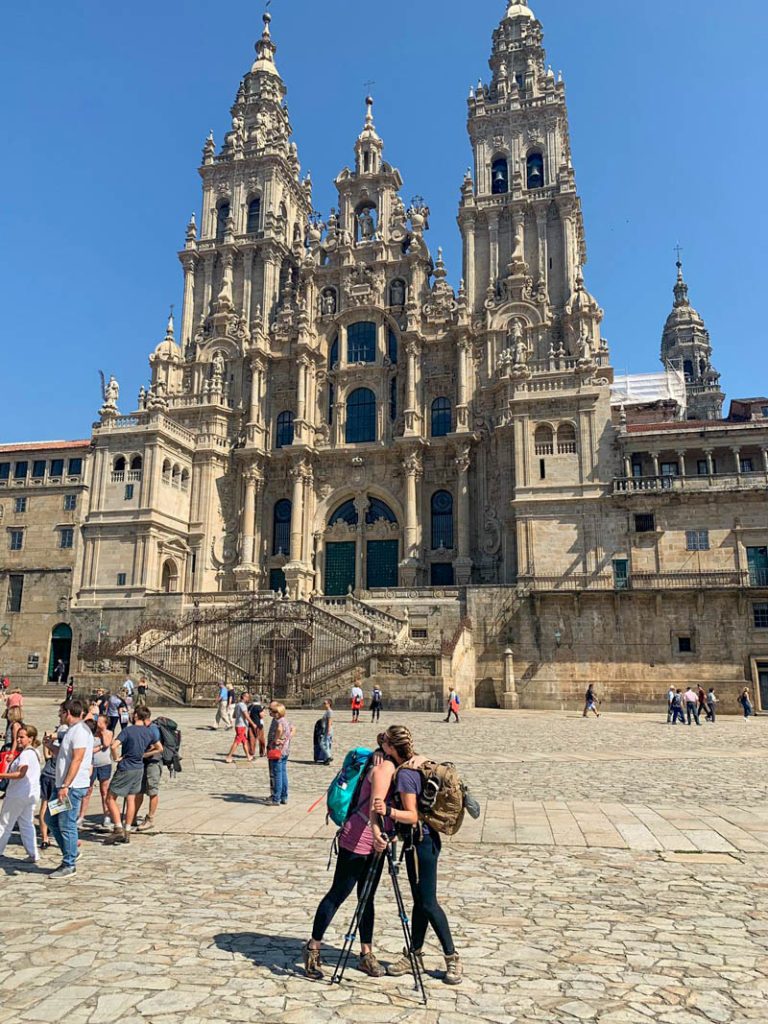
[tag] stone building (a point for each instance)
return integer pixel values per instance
(330, 417)
(43, 498)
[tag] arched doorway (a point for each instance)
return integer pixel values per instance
(61, 650)
(169, 581)
(362, 546)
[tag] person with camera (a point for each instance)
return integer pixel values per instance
(422, 854)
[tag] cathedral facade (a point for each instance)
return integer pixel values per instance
(328, 416)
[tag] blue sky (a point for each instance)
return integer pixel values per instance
(107, 107)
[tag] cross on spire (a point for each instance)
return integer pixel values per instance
(679, 251)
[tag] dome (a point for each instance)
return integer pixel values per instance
(516, 10)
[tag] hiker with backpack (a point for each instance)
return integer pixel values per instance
(377, 698)
(454, 703)
(322, 739)
(170, 738)
(361, 843)
(422, 842)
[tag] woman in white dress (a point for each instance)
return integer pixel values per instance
(22, 795)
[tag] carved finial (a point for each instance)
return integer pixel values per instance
(169, 335)
(681, 288)
(192, 229)
(369, 111)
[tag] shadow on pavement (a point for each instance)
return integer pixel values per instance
(280, 954)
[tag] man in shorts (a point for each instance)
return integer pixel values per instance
(243, 723)
(138, 743)
(150, 787)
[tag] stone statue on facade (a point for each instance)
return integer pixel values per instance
(397, 293)
(110, 393)
(328, 302)
(367, 225)
(218, 366)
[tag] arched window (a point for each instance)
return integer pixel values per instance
(361, 416)
(175, 475)
(688, 369)
(284, 435)
(169, 581)
(222, 216)
(378, 509)
(566, 439)
(254, 216)
(333, 360)
(281, 528)
(499, 176)
(361, 343)
(136, 462)
(442, 422)
(535, 170)
(544, 439)
(119, 466)
(185, 479)
(346, 513)
(166, 471)
(442, 520)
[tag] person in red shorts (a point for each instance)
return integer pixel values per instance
(243, 722)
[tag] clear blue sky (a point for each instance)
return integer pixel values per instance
(107, 105)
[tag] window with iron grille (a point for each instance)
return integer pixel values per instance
(361, 417)
(442, 520)
(281, 528)
(760, 613)
(645, 522)
(697, 540)
(361, 343)
(284, 436)
(441, 417)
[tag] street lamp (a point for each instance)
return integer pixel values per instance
(558, 637)
(5, 629)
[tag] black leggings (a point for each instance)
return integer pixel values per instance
(351, 870)
(421, 864)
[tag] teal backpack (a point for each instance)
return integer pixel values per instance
(343, 792)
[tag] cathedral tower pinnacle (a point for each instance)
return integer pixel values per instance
(685, 344)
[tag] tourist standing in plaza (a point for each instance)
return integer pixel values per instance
(691, 699)
(377, 698)
(711, 705)
(256, 735)
(18, 807)
(677, 708)
(746, 704)
(73, 775)
(141, 691)
(323, 735)
(281, 732)
(422, 854)
(243, 723)
(59, 671)
(361, 840)
(138, 742)
(357, 698)
(128, 688)
(51, 745)
(13, 723)
(222, 708)
(454, 703)
(150, 783)
(102, 768)
(115, 704)
(590, 702)
(670, 703)
(14, 699)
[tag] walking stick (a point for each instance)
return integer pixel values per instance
(394, 870)
(362, 903)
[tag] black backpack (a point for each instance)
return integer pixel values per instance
(170, 737)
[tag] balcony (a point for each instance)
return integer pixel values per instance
(693, 484)
(726, 579)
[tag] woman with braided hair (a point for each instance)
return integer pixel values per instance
(421, 855)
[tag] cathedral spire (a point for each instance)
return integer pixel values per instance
(681, 288)
(266, 49)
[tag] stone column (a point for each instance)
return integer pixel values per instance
(681, 458)
(208, 282)
(765, 459)
(737, 459)
(463, 563)
(247, 284)
(462, 411)
(655, 461)
(627, 466)
(301, 388)
(493, 240)
(541, 227)
(469, 264)
(710, 464)
(412, 469)
(297, 511)
(511, 699)
(412, 349)
(249, 517)
(569, 251)
(188, 309)
(224, 298)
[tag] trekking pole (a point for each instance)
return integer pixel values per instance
(394, 871)
(362, 903)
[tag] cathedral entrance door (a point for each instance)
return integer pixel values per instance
(381, 561)
(339, 567)
(762, 679)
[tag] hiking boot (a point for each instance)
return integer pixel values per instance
(312, 963)
(146, 825)
(368, 964)
(118, 836)
(453, 970)
(403, 965)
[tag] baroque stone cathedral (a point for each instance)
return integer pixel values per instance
(330, 418)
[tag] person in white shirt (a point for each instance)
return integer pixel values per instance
(73, 777)
(670, 703)
(357, 700)
(128, 687)
(23, 792)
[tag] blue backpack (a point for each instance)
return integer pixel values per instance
(343, 792)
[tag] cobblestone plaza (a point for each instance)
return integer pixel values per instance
(615, 876)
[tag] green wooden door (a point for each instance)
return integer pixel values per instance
(339, 567)
(382, 563)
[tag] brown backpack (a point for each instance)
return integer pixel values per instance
(441, 802)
